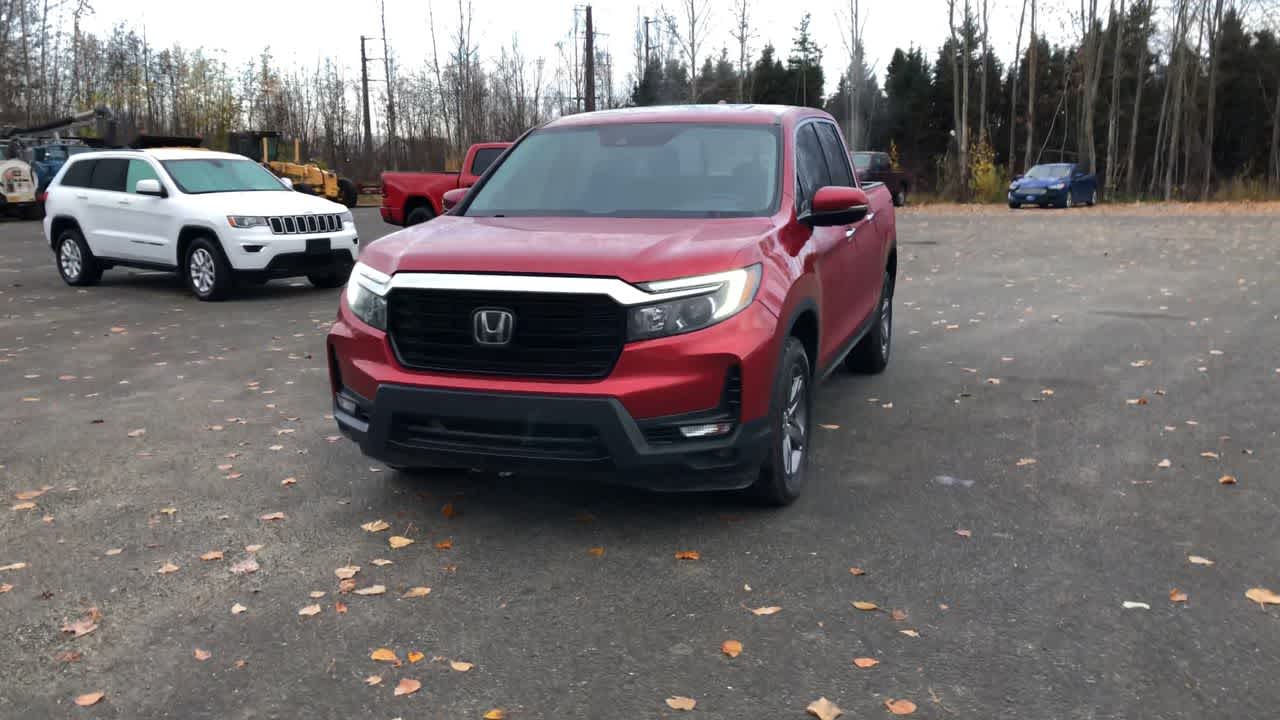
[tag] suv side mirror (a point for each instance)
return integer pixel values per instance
(452, 197)
(151, 187)
(836, 205)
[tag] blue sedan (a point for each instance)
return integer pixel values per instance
(1057, 184)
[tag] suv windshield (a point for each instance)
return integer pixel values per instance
(637, 170)
(1049, 172)
(214, 175)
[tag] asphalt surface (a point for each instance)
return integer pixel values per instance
(1020, 337)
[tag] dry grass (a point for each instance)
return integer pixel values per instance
(1146, 209)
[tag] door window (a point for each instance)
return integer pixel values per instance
(811, 167)
(109, 174)
(78, 173)
(139, 170)
(833, 149)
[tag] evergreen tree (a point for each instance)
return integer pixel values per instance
(804, 68)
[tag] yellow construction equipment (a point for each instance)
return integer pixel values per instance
(309, 178)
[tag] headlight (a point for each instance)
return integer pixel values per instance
(710, 299)
(1013, 186)
(347, 217)
(1057, 186)
(246, 221)
(367, 295)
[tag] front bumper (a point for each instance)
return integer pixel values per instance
(1048, 197)
(547, 434)
(261, 251)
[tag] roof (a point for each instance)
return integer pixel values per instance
(744, 114)
(170, 153)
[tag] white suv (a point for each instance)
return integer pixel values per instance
(213, 217)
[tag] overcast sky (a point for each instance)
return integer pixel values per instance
(304, 32)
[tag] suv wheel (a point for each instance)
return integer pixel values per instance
(207, 272)
(419, 215)
(900, 197)
(330, 280)
(871, 354)
(76, 264)
(782, 477)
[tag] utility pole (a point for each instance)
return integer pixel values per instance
(364, 85)
(647, 23)
(391, 103)
(589, 67)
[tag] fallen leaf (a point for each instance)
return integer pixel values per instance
(1023, 462)
(1215, 352)
(5, 587)
(1165, 463)
(275, 448)
(397, 541)
(1227, 480)
(407, 686)
(824, 709)
(688, 555)
(309, 610)
(898, 615)
(68, 656)
(315, 594)
(31, 494)
(1047, 392)
(1131, 605)
(857, 571)
(910, 633)
(273, 516)
(415, 656)
(80, 627)
(372, 590)
(237, 609)
(373, 680)
(289, 481)
(212, 555)
(1139, 363)
(1136, 401)
(24, 506)
(865, 662)
(446, 544)
(964, 533)
(347, 571)
(448, 510)
(900, 707)
(202, 655)
(766, 610)
(170, 511)
(385, 655)
(340, 607)
(1176, 595)
(247, 566)
(1197, 560)
(417, 592)
(825, 426)
(380, 562)
(167, 568)
(113, 551)
(1262, 596)
(732, 648)
(681, 703)
(13, 566)
(92, 698)
(595, 552)
(584, 517)
(864, 605)
(496, 714)
(137, 433)
(1209, 454)
(346, 586)
(460, 666)
(252, 548)
(225, 467)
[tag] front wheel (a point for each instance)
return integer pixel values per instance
(871, 355)
(782, 476)
(1013, 205)
(206, 270)
(1093, 198)
(900, 197)
(328, 280)
(76, 263)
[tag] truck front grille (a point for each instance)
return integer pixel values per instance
(554, 335)
(304, 224)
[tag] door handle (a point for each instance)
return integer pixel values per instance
(82, 197)
(123, 202)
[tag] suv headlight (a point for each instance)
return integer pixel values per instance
(347, 217)
(706, 300)
(367, 295)
(245, 222)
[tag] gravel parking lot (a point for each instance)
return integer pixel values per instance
(1034, 498)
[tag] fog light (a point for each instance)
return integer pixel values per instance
(346, 404)
(707, 430)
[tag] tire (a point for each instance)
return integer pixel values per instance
(76, 263)
(1014, 205)
(871, 355)
(1069, 202)
(1093, 198)
(782, 476)
(900, 197)
(348, 194)
(331, 280)
(206, 270)
(419, 215)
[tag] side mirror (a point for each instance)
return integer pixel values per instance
(287, 183)
(151, 187)
(836, 205)
(1017, 177)
(452, 198)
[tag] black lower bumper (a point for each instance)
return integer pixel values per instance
(547, 434)
(284, 265)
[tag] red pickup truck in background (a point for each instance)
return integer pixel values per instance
(409, 198)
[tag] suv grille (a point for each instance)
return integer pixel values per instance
(304, 224)
(563, 336)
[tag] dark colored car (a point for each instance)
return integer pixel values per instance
(878, 167)
(646, 296)
(1056, 184)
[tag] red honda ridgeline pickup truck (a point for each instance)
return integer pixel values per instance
(409, 198)
(649, 296)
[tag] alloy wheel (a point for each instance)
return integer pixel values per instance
(70, 260)
(886, 325)
(202, 271)
(794, 423)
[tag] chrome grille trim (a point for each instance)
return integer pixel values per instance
(304, 224)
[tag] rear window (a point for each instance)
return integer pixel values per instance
(484, 157)
(637, 170)
(78, 173)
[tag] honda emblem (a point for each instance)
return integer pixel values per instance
(493, 326)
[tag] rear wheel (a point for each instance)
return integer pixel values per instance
(348, 194)
(419, 214)
(76, 263)
(871, 354)
(900, 197)
(782, 476)
(206, 270)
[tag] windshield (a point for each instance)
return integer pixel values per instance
(1049, 172)
(637, 170)
(214, 175)
(862, 161)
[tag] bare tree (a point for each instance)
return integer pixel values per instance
(1013, 94)
(960, 93)
(1113, 110)
(435, 68)
(856, 74)
(388, 65)
(1130, 171)
(743, 34)
(1214, 30)
(982, 93)
(1091, 66)
(697, 16)
(1033, 44)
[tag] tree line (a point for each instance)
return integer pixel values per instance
(1176, 100)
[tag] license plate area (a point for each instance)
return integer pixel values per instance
(317, 246)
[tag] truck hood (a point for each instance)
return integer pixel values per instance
(633, 249)
(266, 202)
